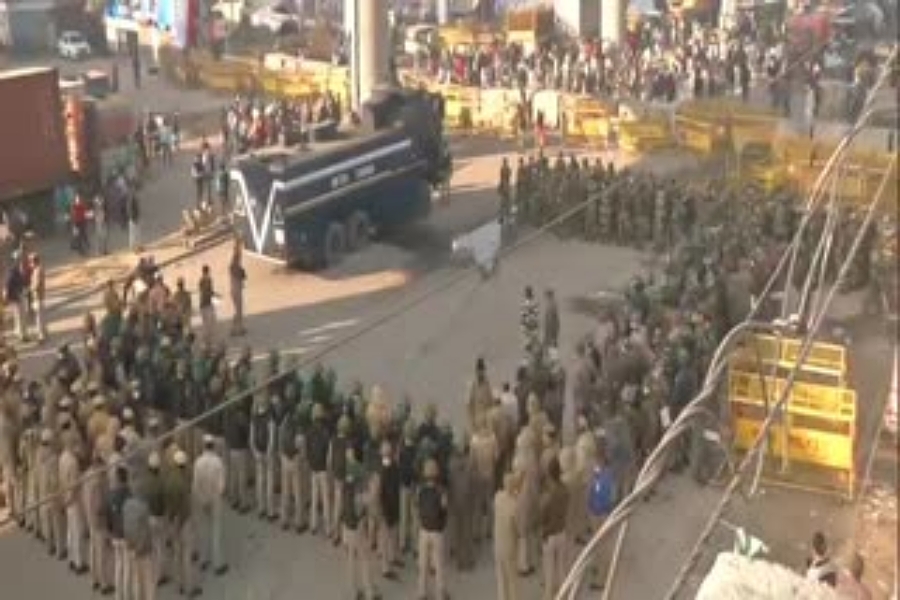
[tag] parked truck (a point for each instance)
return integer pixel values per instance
(34, 156)
(309, 206)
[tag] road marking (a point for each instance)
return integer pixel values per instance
(312, 331)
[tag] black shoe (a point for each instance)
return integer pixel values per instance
(195, 592)
(95, 586)
(162, 581)
(397, 563)
(51, 551)
(302, 529)
(107, 591)
(390, 575)
(221, 570)
(204, 566)
(181, 590)
(272, 518)
(81, 570)
(262, 516)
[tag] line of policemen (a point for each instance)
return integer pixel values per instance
(647, 212)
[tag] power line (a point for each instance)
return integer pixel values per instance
(779, 407)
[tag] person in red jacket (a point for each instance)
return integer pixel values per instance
(78, 217)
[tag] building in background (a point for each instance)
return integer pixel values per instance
(578, 17)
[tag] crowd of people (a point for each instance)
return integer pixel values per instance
(253, 123)
(547, 456)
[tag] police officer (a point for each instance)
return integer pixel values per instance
(461, 507)
(485, 455)
(237, 439)
(115, 524)
(389, 505)
(353, 515)
(290, 439)
(94, 492)
(179, 514)
(317, 445)
(154, 493)
(262, 444)
(337, 469)
(432, 508)
(506, 528)
(408, 479)
(207, 493)
(554, 510)
(526, 467)
(51, 517)
(69, 480)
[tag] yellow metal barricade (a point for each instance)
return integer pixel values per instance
(702, 137)
(819, 429)
(824, 364)
(644, 135)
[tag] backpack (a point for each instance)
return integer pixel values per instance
(601, 496)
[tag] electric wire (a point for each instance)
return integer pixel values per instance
(650, 473)
(395, 309)
(805, 349)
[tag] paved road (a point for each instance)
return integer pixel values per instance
(428, 352)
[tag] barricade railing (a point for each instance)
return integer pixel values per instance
(817, 431)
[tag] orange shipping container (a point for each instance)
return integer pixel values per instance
(34, 155)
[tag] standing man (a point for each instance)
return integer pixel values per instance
(51, 518)
(115, 524)
(178, 512)
(460, 494)
(506, 534)
(134, 216)
(551, 320)
(155, 495)
(237, 438)
(290, 439)
(432, 503)
(206, 295)
(199, 179)
(136, 528)
(262, 443)
(485, 454)
(38, 295)
(69, 476)
(101, 224)
(528, 321)
(554, 510)
(317, 444)
(337, 468)
(353, 518)
(389, 503)
(208, 491)
(238, 278)
(16, 294)
(94, 497)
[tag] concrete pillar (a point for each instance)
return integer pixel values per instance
(443, 11)
(370, 43)
(612, 21)
(727, 14)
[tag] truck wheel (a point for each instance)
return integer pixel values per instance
(358, 231)
(335, 244)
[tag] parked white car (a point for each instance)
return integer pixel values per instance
(73, 45)
(277, 18)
